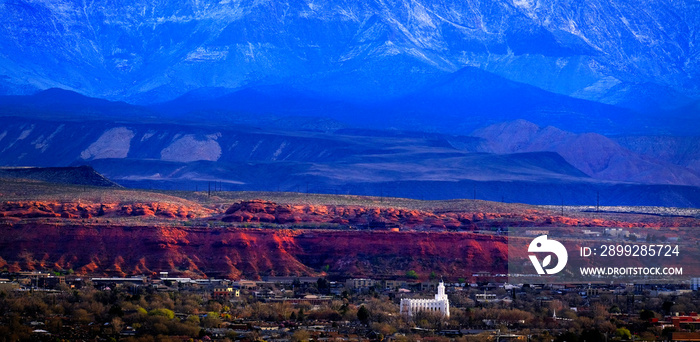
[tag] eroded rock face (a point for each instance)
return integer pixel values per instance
(249, 253)
(270, 212)
(113, 143)
(47, 209)
(147, 237)
(190, 148)
(262, 211)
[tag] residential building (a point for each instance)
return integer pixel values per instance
(360, 283)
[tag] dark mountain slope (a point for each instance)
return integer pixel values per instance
(454, 103)
(68, 105)
(81, 175)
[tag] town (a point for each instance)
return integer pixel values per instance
(43, 306)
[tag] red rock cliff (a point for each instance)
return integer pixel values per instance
(248, 253)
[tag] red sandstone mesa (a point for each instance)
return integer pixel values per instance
(56, 236)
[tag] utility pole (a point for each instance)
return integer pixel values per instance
(562, 207)
(209, 190)
(597, 201)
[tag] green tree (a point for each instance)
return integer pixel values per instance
(623, 333)
(646, 315)
(363, 314)
(116, 310)
(592, 335)
(193, 320)
(211, 320)
(162, 312)
(411, 274)
(323, 285)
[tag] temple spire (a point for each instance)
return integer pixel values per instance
(441, 291)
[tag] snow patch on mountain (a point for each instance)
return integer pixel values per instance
(25, 133)
(206, 54)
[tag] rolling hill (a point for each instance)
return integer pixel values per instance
(354, 161)
(81, 175)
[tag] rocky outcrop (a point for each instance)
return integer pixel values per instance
(142, 236)
(343, 240)
(249, 253)
(387, 218)
(75, 210)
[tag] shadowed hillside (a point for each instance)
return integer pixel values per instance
(81, 175)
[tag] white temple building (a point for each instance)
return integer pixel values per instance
(410, 307)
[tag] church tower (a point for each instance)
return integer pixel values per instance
(441, 292)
